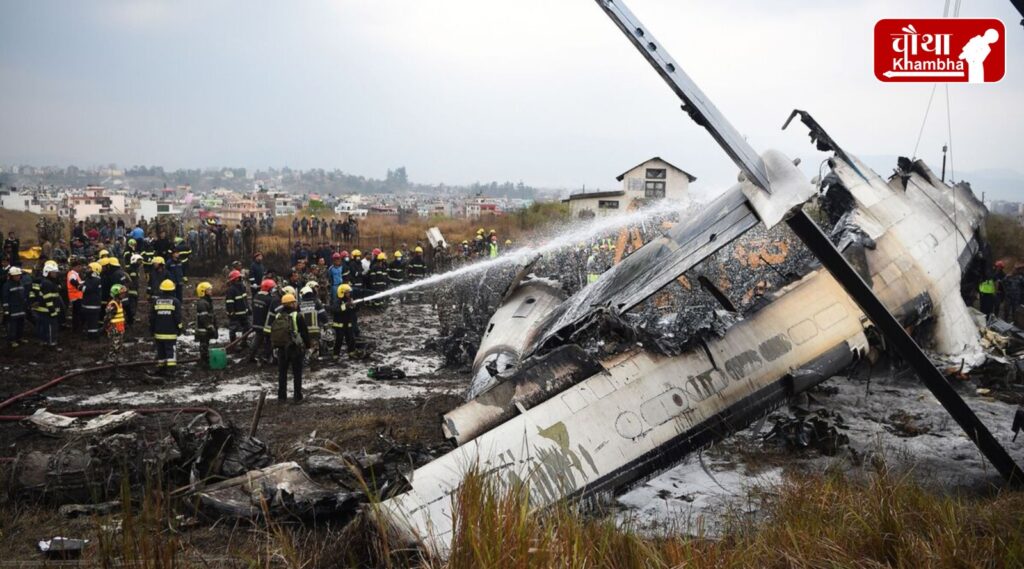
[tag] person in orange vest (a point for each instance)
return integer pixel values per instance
(113, 322)
(74, 288)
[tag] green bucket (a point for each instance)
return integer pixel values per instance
(218, 358)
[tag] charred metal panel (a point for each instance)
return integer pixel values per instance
(653, 266)
(538, 379)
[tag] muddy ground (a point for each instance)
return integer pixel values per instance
(342, 405)
(891, 421)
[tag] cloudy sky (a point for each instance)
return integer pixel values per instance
(543, 91)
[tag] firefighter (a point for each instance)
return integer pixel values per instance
(345, 321)
(175, 272)
(206, 322)
(417, 266)
(273, 309)
(157, 274)
(105, 272)
(237, 305)
(312, 311)
(165, 325)
(291, 348)
(46, 304)
(261, 303)
(130, 251)
(15, 300)
(74, 288)
(134, 273)
(148, 256)
(114, 322)
(396, 271)
(377, 278)
(184, 252)
(92, 301)
(115, 274)
(355, 266)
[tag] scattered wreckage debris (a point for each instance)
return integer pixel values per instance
(62, 547)
(63, 426)
(820, 430)
(280, 490)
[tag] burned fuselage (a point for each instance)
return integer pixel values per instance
(573, 419)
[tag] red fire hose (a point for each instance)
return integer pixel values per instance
(98, 412)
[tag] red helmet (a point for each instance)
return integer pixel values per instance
(336, 256)
(1000, 264)
(344, 254)
(267, 285)
(376, 252)
(234, 275)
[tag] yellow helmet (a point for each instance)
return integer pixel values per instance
(382, 256)
(95, 267)
(480, 231)
(398, 254)
(158, 260)
(104, 261)
(167, 285)
(493, 232)
(357, 253)
(113, 261)
(508, 242)
(418, 249)
(343, 288)
(288, 299)
(104, 253)
(203, 288)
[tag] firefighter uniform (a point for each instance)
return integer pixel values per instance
(377, 280)
(206, 323)
(165, 325)
(237, 305)
(396, 272)
(15, 306)
(345, 321)
(417, 267)
(312, 311)
(92, 305)
(261, 303)
(46, 304)
(131, 303)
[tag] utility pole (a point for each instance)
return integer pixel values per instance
(944, 149)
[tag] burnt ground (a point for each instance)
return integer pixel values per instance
(343, 408)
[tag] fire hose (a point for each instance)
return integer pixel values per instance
(53, 382)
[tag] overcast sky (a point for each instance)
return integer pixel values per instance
(544, 91)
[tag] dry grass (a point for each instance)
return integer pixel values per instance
(887, 521)
(821, 521)
(22, 223)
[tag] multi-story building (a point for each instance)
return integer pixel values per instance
(654, 179)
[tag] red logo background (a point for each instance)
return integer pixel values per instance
(906, 50)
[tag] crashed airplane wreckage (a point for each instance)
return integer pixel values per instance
(758, 318)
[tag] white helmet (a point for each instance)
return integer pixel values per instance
(312, 285)
(136, 259)
(14, 271)
(49, 267)
(306, 290)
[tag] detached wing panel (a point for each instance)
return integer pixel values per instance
(656, 264)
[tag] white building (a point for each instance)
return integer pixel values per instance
(653, 179)
(20, 202)
(96, 201)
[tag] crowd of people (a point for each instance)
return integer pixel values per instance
(313, 226)
(102, 287)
